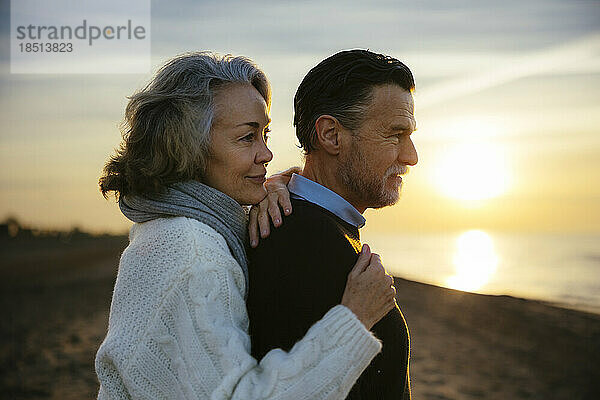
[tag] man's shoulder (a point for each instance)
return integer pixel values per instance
(306, 208)
(309, 232)
(307, 219)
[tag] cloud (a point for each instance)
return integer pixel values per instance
(554, 60)
(317, 26)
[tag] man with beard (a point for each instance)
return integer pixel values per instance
(354, 114)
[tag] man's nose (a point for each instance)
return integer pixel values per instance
(408, 154)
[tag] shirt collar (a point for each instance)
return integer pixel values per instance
(306, 189)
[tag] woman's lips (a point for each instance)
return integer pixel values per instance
(260, 179)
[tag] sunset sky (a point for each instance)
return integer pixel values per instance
(507, 104)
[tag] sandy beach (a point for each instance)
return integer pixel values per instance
(56, 294)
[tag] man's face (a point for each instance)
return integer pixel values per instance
(376, 154)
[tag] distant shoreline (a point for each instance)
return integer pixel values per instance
(565, 306)
(17, 236)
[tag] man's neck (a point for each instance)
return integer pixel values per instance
(315, 170)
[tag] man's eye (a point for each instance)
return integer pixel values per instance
(266, 135)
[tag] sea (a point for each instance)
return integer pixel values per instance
(561, 269)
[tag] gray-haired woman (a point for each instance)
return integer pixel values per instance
(193, 153)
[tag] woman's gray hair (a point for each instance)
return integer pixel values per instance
(166, 132)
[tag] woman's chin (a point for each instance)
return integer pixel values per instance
(253, 197)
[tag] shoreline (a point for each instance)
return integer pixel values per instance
(584, 308)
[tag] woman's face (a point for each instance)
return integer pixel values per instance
(238, 150)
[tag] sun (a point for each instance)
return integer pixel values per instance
(472, 171)
(475, 261)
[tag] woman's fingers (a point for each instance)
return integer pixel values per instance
(253, 226)
(258, 222)
(276, 186)
(273, 209)
(370, 291)
(277, 195)
(263, 219)
(375, 266)
(392, 293)
(283, 197)
(362, 263)
(390, 279)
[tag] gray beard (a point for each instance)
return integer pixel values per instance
(356, 176)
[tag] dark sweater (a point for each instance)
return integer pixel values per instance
(297, 274)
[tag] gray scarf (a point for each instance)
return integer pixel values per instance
(195, 200)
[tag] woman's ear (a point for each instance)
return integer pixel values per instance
(328, 131)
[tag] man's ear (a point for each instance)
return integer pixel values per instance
(328, 131)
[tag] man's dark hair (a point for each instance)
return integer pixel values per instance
(342, 86)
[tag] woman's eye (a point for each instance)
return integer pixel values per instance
(248, 138)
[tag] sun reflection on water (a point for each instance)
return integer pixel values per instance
(475, 261)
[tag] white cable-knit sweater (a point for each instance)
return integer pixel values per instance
(178, 328)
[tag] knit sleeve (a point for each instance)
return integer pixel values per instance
(198, 347)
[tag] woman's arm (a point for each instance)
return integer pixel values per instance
(200, 336)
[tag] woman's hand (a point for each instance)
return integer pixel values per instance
(370, 293)
(278, 195)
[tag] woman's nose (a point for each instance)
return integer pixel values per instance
(264, 155)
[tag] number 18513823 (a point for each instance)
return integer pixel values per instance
(46, 47)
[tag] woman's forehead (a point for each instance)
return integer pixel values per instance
(240, 104)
